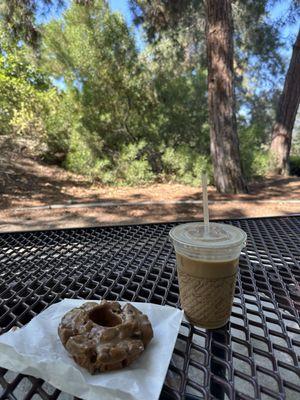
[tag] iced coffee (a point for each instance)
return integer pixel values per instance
(207, 265)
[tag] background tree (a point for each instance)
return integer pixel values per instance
(127, 114)
(286, 113)
(228, 175)
(24, 92)
(184, 22)
(134, 112)
(20, 17)
(258, 65)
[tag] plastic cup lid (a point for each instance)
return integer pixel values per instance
(218, 236)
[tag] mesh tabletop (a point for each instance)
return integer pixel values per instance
(256, 356)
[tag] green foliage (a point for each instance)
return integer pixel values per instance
(256, 162)
(295, 150)
(129, 103)
(19, 94)
(93, 51)
(60, 120)
(261, 163)
(130, 167)
(295, 165)
(133, 166)
(123, 116)
(256, 158)
(82, 159)
(185, 164)
(25, 93)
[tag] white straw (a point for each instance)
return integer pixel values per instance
(205, 203)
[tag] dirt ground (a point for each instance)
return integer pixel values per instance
(39, 196)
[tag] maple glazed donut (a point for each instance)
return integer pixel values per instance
(103, 336)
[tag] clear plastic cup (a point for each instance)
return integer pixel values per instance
(207, 265)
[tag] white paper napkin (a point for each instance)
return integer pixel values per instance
(36, 350)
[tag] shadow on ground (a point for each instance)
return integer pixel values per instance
(126, 214)
(29, 183)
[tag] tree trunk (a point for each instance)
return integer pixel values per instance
(224, 142)
(286, 113)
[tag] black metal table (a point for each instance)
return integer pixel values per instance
(256, 356)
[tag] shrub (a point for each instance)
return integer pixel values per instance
(256, 163)
(59, 119)
(262, 160)
(295, 165)
(83, 159)
(133, 166)
(86, 156)
(256, 158)
(185, 165)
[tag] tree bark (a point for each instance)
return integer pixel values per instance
(224, 141)
(286, 113)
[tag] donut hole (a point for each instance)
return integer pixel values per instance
(104, 317)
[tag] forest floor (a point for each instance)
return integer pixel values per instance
(34, 195)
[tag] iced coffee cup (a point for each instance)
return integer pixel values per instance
(207, 265)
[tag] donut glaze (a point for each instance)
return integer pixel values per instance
(103, 336)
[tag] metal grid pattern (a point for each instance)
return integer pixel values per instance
(256, 356)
